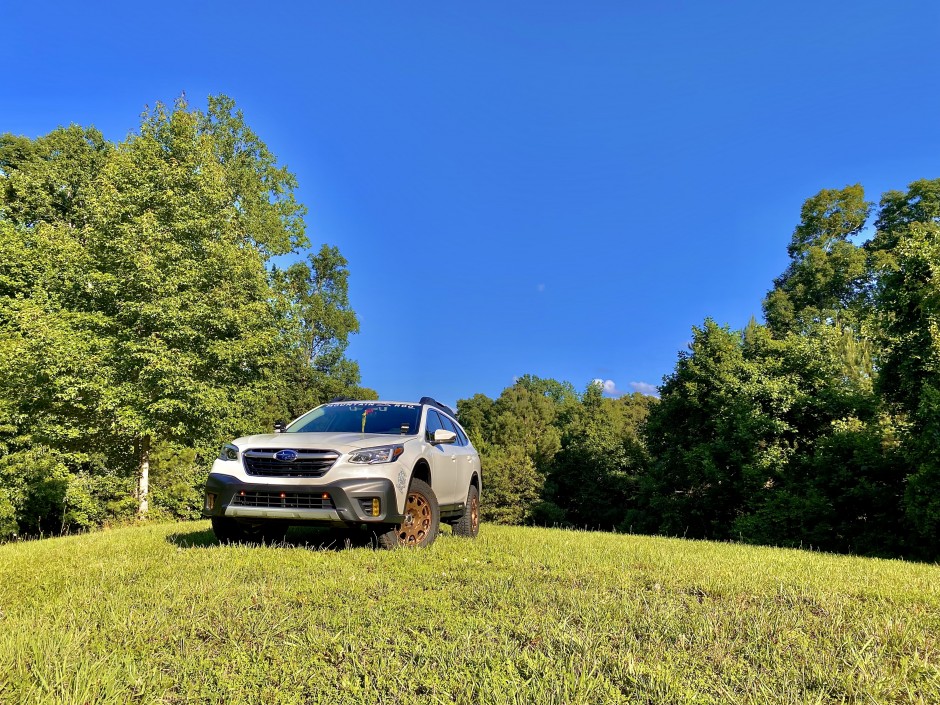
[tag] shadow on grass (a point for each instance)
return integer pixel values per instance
(313, 539)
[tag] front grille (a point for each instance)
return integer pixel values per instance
(282, 500)
(261, 462)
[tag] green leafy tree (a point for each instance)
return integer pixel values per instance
(525, 416)
(140, 316)
(838, 487)
(517, 436)
(773, 440)
(476, 415)
(897, 211)
(827, 272)
(512, 483)
(711, 435)
(907, 247)
(318, 320)
(183, 220)
(551, 456)
(52, 375)
(49, 179)
(593, 480)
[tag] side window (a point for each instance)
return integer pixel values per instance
(451, 426)
(464, 441)
(433, 423)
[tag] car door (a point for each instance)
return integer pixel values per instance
(470, 463)
(463, 464)
(444, 458)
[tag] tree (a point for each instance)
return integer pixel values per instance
(525, 416)
(827, 272)
(517, 436)
(140, 314)
(907, 247)
(593, 480)
(512, 483)
(710, 436)
(183, 220)
(898, 210)
(53, 425)
(476, 415)
(837, 486)
(905, 250)
(318, 319)
(49, 179)
(770, 440)
(550, 456)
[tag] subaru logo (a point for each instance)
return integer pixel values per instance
(286, 456)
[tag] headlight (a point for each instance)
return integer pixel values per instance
(228, 452)
(371, 456)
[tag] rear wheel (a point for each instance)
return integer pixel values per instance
(469, 524)
(422, 519)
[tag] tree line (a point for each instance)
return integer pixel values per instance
(159, 296)
(818, 428)
(144, 318)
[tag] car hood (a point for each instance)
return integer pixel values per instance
(342, 442)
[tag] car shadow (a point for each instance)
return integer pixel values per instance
(312, 539)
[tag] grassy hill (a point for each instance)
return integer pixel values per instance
(164, 614)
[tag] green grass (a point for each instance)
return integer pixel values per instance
(161, 614)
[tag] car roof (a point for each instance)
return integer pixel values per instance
(424, 401)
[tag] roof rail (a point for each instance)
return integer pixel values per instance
(431, 401)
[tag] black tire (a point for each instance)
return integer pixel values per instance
(228, 530)
(469, 524)
(422, 520)
(225, 530)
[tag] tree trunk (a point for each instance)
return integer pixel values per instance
(143, 478)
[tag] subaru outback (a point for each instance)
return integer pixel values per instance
(397, 468)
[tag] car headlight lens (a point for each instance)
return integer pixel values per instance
(371, 456)
(228, 452)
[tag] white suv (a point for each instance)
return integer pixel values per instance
(399, 468)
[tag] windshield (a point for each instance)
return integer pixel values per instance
(359, 417)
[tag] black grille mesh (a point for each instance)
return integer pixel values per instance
(282, 500)
(260, 462)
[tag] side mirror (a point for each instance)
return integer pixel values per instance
(442, 437)
(279, 426)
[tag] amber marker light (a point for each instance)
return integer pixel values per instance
(375, 506)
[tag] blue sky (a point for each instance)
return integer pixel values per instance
(560, 189)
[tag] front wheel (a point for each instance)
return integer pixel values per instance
(422, 519)
(469, 524)
(228, 530)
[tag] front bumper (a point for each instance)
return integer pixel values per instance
(348, 501)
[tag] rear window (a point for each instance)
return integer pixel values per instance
(359, 417)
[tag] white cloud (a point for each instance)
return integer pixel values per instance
(645, 388)
(608, 387)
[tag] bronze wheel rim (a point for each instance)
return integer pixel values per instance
(474, 514)
(416, 527)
